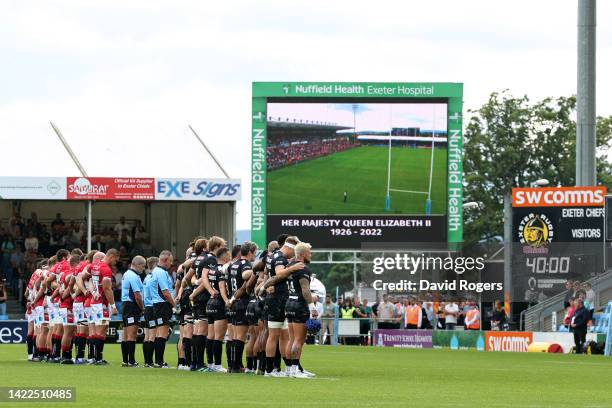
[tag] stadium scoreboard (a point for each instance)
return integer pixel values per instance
(558, 234)
(346, 164)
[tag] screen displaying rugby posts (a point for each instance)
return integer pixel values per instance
(342, 173)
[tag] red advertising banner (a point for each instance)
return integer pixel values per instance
(559, 197)
(109, 188)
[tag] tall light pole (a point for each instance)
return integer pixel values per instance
(585, 102)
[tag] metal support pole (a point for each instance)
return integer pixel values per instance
(89, 227)
(508, 253)
(354, 275)
(585, 101)
(209, 152)
(83, 173)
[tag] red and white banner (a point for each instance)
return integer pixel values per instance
(108, 188)
(559, 197)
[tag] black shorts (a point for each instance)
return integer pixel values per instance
(215, 310)
(185, 304)
(262, 308)
(199, 310)
(274, 308)
(297, 311)
(131, 313)
(150, 322)
(239, 312)
(185, 317)
(253, 312)
(163, 313)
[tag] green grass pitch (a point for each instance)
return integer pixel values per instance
(316, 186)
(348, 376)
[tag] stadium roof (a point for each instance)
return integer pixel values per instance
(294, 124)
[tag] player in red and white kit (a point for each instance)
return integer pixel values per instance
(41, 316)
(102, 302)
(30, 295)
(66, 282)
(53, 303)
(78, 309)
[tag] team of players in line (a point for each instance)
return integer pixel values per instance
(261, 304)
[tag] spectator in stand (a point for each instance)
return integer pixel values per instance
(7, 248)
(57, 241)
(135, 232)
(440, 321)
(569, 313)
(58, 223)
(472, 317)
(44, 239)
(386, 314)
(122, 225)
(428, 315)
(125, 239)
(77, 233)
(97, 243)
(363, 311)
(17, 265)
(97, 227)
(461, 316)
(144, 248)
(579, 322)
(498, 319)
(31, 242)
(113, 242)
(3, 297)
(413, 315)
(451, 312)
(310, 338)
(124, 256)
(13, 228)
(348, 311)
(34, 225)
(327, 321)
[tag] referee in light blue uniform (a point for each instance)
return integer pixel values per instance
(149, 315)
(162, 295)
(132, 308)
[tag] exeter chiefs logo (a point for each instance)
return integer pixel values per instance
(535, 232)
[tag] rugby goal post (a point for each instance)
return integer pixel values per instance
(431, 164)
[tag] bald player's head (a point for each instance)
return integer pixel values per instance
(98, 256)
(138, 264)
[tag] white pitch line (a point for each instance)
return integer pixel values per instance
(408, 191)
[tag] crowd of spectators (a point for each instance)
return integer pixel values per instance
(406, 313)
(577, 292)
(285, 153)
(25, 241)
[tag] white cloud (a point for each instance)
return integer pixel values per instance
(123, 79)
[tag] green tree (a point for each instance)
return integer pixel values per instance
(510, 142)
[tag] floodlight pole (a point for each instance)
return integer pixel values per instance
(83, 173)
(208, 151)
(585, 101)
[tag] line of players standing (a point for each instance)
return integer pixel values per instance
(261, 304)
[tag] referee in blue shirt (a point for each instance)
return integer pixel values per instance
(162, 295)
(132, 308)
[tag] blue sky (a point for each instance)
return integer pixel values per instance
(123, 79)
